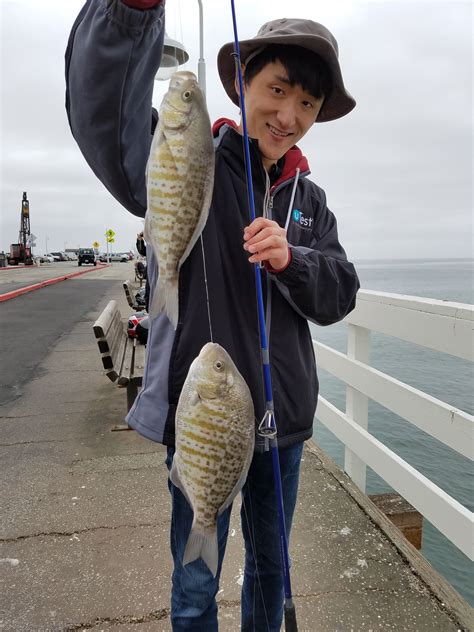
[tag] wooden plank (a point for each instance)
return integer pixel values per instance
(128, 294)
(119, 351)
(109, 348)
(126, 367)
(402, 514)
(108, 329)
(101, 325)
(450, 309)
(114, 339)
(440, 325)
(357, 403)
(451, 426)
(139, 364)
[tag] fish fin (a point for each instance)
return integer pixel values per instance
(172, 301)
(176, 480)
(194, 398)
(204, 546)
(147, 232)
(158, 302)
(166, 297)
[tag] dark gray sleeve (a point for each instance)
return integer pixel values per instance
(112, 57)
(320, 283)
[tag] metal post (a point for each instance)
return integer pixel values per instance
(201, 62)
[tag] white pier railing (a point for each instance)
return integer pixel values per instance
(438, 325)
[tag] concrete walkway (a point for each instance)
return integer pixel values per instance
(85, 519)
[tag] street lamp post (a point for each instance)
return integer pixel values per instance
(201, 62)
(175, 55)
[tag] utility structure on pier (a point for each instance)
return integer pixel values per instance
(21, 252)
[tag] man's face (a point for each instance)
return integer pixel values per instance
(278, 114)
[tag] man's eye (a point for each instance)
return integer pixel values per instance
(308, 104)
(277, 90)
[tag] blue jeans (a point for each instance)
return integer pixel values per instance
(193, 603)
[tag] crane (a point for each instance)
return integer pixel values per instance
(21, 252)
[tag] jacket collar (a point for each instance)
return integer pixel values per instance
(292, 160)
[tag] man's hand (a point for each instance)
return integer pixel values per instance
(266, 241)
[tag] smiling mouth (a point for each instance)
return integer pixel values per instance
(277, 132)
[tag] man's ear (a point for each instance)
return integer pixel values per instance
(236, 80)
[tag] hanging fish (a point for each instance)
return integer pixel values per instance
(215, 436)
(180, 180)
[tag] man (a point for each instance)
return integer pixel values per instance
(292, 79)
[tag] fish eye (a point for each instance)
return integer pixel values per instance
(187, 94)
(218, 365)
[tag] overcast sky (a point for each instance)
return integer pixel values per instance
(397, 171)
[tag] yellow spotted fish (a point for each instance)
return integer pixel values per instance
(180, 179)
(215, 436)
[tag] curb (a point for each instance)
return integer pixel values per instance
(30, 288)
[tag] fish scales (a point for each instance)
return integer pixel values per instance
(180, 178)
(215, 433)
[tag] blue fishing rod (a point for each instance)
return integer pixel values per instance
(267, 426)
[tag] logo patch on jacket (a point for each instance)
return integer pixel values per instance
(300, 219)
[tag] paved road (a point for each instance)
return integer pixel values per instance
(32, 323)
(13, 279)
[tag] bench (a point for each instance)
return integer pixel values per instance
(127, 288)
(123, 357)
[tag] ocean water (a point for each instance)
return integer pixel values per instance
(445, 377)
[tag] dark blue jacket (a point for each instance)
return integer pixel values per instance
(111, 59)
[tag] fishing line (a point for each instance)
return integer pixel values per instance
(267, 426)
(254, 552)
(207, 288)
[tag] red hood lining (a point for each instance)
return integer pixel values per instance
(294, 157)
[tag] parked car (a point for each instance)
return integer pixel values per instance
(47, 259)
(118, 256)
(54, 256)
(86, 255)
(61, 256)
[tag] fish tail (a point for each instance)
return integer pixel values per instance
(204, 546)
(166, 297)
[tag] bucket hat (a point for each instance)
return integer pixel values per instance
(297, 32)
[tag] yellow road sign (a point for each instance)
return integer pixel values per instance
(110, 233)
(95, 244)
(111, 240)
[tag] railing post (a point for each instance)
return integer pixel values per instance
(357, 404)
